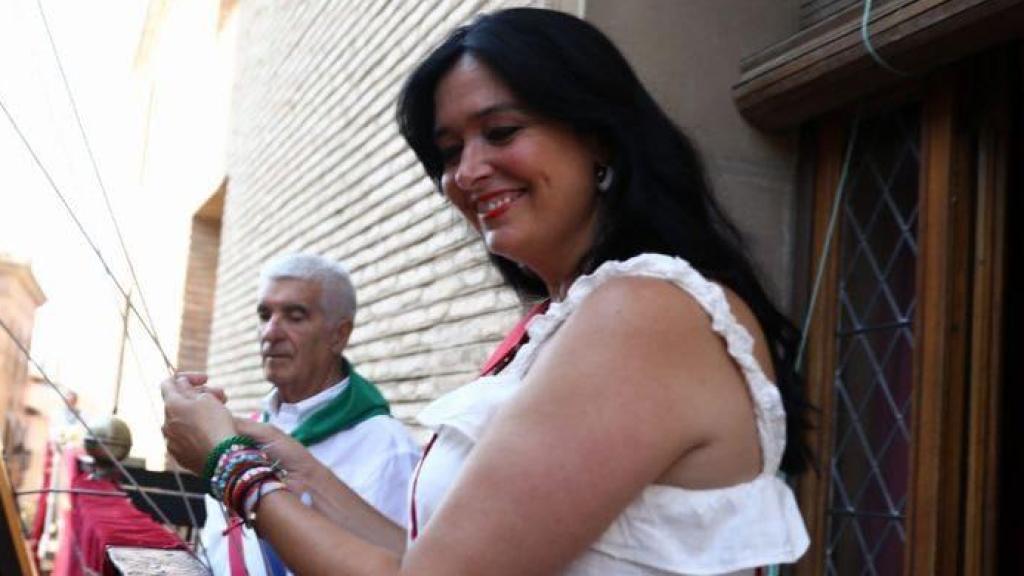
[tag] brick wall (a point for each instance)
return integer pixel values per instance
(316, 164)
(200, 283)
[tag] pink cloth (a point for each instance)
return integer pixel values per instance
(39, 520)
(95, 522)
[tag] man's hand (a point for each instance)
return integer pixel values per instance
(195, 419)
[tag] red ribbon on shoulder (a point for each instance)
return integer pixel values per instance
(500, 358)
(503, 354)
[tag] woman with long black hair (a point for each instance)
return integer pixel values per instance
(636, 422)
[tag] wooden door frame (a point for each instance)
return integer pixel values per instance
(14, 551)
(953, 486)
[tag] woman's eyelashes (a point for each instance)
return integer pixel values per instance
(496, 136)
(501, 134)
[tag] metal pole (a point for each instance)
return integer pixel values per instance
(120, 358)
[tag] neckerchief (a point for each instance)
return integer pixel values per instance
(359, 401)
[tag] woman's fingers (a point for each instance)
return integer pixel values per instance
(217, 393)
(191, 385)
(182, 385)
(195, 418)
(288, 452)
(261, 433)
(193, 378)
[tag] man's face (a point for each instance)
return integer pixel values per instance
(298, 348)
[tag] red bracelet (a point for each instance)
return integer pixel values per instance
(246, 484)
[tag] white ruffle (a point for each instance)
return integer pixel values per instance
(679, 531)
(770, 414)
(667, 529)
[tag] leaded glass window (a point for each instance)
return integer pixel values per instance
(871, 392)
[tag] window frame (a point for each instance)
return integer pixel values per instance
(952, 498)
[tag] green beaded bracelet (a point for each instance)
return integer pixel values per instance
(214, 456)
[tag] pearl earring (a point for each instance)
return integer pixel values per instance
(605, 175)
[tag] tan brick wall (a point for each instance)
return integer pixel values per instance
(200, 283)
(316, 164)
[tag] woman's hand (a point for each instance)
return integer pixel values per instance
(283, 449)
(195, 419)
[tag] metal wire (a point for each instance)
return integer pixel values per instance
(92, 160)
(85, 234)
(78, 416)
(833, 219)
(865, 37)
(106, 267)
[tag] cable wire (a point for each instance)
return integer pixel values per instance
(113, 220)
(78, 416)
(865, 36)
(819, 275)
(92, 160)
(85, 234)
(106, 267)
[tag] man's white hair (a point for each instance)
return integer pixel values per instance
(337, 295)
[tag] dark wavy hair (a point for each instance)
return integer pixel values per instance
(565, 69)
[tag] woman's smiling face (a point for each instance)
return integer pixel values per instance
(524, 182)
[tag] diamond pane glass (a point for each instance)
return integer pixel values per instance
(871, 391)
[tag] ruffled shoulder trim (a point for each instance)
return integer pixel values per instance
(770, 414)
(676, 531)
(469, 408)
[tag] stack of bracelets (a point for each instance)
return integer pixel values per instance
(240, 474)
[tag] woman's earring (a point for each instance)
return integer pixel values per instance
(604, 175)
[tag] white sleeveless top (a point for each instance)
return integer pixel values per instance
(667, 529)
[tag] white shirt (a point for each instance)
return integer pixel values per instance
(666, 530)
(375, 458)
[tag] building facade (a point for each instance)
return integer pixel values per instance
(21, 423)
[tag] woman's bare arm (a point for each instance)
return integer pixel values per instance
(330, 496)
(634, 381)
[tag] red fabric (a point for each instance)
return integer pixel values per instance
(513, 340)
(95, 522)
(501, 356)
(40, 518)
(236, 548)
(414, 526)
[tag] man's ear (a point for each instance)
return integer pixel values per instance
(341, 336)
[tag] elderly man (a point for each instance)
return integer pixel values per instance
(306, 306)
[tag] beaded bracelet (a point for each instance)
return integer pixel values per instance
(238, 497)
(241, 483)
(227, 445)
(232, 463)
(223, 446)
(253, 498)
(226, 485)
